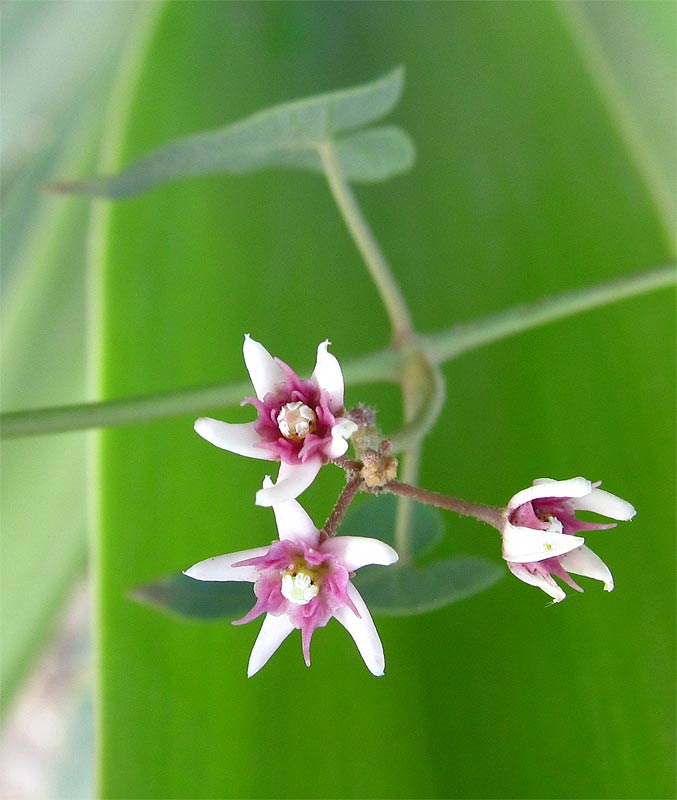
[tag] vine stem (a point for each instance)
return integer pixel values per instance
(383, 365)
(414, 380)
(342, 504)
(490, 514)
(379, 269)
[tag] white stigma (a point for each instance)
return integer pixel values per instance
(296, 420)
(299, 588)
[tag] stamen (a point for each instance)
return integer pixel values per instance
(298, 588)
(296, 420)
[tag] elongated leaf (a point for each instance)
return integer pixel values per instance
(193, 599)
(404, 591)
(375, 517)
(287, 135)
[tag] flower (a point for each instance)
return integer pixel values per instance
(539, 535)
(302, 581)
(300, 423)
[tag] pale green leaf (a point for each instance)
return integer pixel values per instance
(286, 135)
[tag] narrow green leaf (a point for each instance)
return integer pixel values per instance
(186, 597)
(286, 135)
(412, 590)
(376, 518)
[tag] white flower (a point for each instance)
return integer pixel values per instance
(300, 423)
(302, 581)
(539, 539)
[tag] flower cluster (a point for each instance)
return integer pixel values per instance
(303, 579)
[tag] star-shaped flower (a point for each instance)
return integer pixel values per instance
(539, 535)
(300, 423)
(302, 581)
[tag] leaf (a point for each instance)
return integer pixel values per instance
(193, 599)
(286, 135)
(405, 591)
(375, 154)
(375, 517)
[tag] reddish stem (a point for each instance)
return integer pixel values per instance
(345, 499)
(489, 514)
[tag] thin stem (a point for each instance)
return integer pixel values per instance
(489, 514)
(384, 365)
(381, 274)
(427, 410)
(405, 509)
(349, 464)
(342, 504)
(413, 401)
(379, 366)
(450, 344)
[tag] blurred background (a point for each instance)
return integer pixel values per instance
(545, 136)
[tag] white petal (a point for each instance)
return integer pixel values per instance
(292, 479)
(547, 487)
(363, 631)
(237, 438)
(605, 503)
(273, 632)
(220, 568)
(527, 544)
(584, 562)
(265, 373)
(545, 582)
(292, 520)
(342, 430)
(328, 376)
(354, 552)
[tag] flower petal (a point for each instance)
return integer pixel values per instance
(363, 631)
(273, 632)
(584, 562)
(292, 479)
(292, 520)
(545, 582)
(340, 432)
(237, 438)
(354, 552)
(265, 373)
(527, 544)
(328, 376)
(605, 503)
(547, 487)
(220, 568)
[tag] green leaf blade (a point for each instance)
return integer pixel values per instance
(191, 599)
(410, 590)
(285, 135)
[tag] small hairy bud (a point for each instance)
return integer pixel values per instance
(378, 469)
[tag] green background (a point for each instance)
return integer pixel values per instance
(543, 162)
